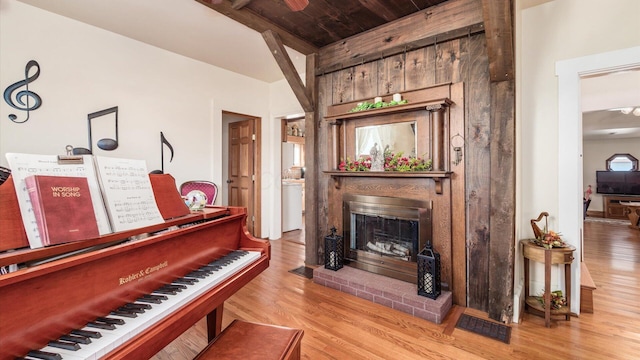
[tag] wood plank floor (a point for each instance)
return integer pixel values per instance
(340, 326)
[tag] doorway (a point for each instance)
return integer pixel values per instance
(293, 179)
(570, 207)
(242, 170)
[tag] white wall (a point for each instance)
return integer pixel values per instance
(85, 69)
(546, 34)
(595, 155)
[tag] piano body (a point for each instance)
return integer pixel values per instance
(80, 282)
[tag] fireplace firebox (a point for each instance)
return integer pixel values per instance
(384, 235)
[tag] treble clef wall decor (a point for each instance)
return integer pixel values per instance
(23, 97)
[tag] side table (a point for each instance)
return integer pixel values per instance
(548, 257)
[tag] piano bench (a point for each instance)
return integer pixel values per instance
(252, 341)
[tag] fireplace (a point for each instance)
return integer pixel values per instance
(384, 235)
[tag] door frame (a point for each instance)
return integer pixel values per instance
(570, 173)
(230, 117)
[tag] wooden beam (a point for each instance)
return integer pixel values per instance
(499, 33)
(380, 8)
(286, 65)
(502, 220)
(449, 20)
(260, 24)
(239, 4)
(311, 166)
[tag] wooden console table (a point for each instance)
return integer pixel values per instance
(614, 205)
(549, 257)
(632, 210)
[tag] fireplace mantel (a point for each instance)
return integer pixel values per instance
(437, 176)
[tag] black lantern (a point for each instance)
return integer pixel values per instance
(333, 251)
(429, 273)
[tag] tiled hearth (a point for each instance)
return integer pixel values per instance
(396, 294)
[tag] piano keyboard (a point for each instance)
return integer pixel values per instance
(108, 333)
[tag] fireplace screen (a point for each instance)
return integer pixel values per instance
(384, 235)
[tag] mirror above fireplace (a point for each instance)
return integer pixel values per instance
(399, 137)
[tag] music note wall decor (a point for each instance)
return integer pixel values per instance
(163, 142)
(23, 97)
(107, 144)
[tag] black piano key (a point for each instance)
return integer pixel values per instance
(86, 333)
(149, 300)
(124, 313)
(197, 274)
(165, 291)
(76, 339)
(133, 310)
(64, 345)
(153, 297)
(44, 355)
(176, 287)
(108, 320)
(103, 326)
(137, 306)
(190, 281)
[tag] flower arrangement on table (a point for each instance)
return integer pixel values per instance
(550, 239)
(557, 300)
(392, 162)
(544, 237)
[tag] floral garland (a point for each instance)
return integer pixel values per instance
(392, 162)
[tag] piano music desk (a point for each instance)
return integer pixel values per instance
(251, 341)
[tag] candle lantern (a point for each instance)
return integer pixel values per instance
(429, 273)
(333, 251)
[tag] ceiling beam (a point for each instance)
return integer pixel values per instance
(260, 24)
(239, 4)
(498, 25)
(286, 65)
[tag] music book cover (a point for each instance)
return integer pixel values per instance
(63, 208)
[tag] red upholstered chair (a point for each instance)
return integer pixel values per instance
(210, 189)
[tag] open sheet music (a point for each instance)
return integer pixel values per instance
(120, 190)
(127, 193)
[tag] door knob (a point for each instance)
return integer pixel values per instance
(229, 181)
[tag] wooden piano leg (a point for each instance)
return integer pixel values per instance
(214, 322)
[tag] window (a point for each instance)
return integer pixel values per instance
(622, 162)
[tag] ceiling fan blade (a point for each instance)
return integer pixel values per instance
(296, 5)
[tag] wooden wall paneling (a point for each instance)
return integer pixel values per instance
(391, 75)
(343, 86)
(447, 60)
(452, 18)
(365, 81)
(502, 221)
(477, 165)
(418, 69)
(458, 208)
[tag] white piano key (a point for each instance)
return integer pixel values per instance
(112, 339)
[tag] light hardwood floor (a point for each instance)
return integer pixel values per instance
(340, 326)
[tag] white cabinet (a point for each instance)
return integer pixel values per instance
(291, 206)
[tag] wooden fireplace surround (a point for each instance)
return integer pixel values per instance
(439, 111)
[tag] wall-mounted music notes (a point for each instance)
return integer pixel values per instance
(163, 142)
(21, 99)
(106, 143)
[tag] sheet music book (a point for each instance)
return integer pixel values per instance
(127, 193)
(23, 165)
(60, 204)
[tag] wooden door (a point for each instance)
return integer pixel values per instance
(241, 168)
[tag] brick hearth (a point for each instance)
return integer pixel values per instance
(396, 294)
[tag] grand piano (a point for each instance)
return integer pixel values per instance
(125, 295)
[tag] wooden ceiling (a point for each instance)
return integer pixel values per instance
(322, 22)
